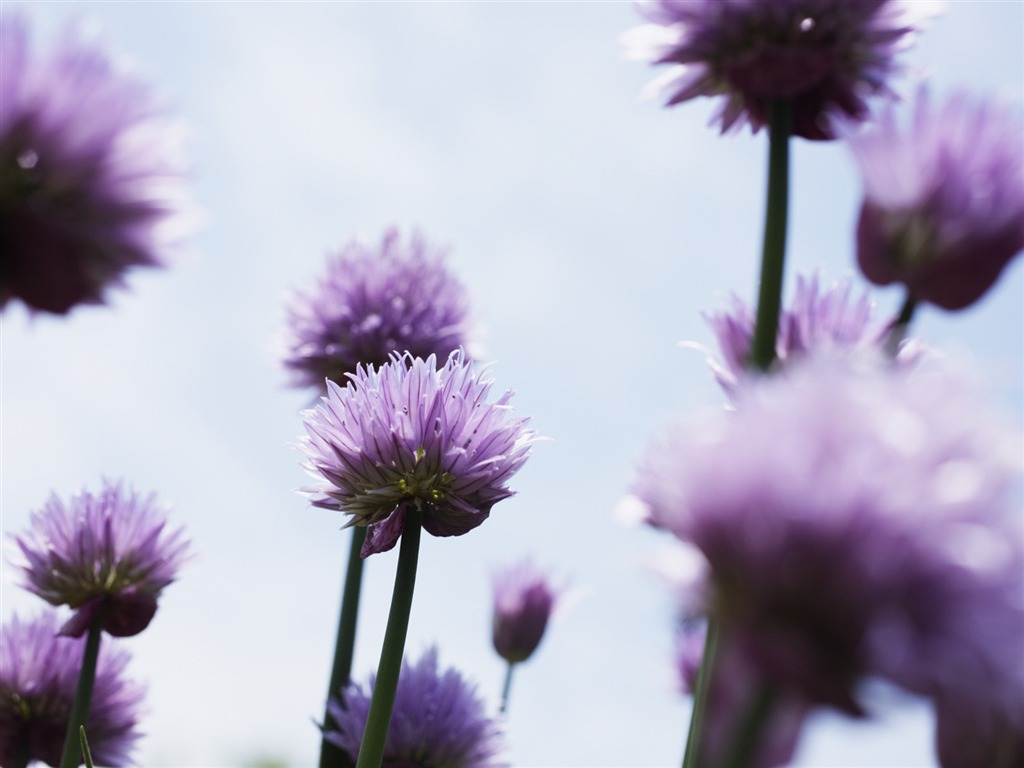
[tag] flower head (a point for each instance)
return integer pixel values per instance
(943, 209)
(373, 303)
(882, 485)
(409, 433)
(38, 678)
(438, 720)
(523, 600)
(819, 320)
(89, 173)
(823, 56)
(110, 550)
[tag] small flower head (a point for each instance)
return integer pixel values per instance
(90, 176)
(438, 720)
(880, 485)
(524, 597)
(38, 677)
(410, 434)
(823, 56)
(108, 551)
(373, 303)
(818, 320)
(943, 209)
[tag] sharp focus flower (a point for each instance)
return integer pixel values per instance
(523, 600)
(90, 176)
(38, 678)
(853, 518)
(375, 302)
(408, 433)
(823, 56)
(438, 720)
(817, 320)
(110, 550)
(943, 209)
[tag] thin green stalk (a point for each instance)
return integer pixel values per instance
(71, 757)
(743, 746)
(506, 688)
(332, 756)
(700, 695)
(86, 753)
(371, 751)
(898, 329)
(773, 253)
(24, 755)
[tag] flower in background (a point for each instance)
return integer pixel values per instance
(524, 597)
(90, 173)
(823, 56)
(38, 677)
(817, 320)
(109, 550)
(409, 433)
(438, 720)
(943, 209)
(375, 302)
(884, 485)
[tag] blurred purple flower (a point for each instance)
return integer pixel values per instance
(38, 676)
(438, 720)
(882, 485)
(824, 56)
(408, 433)
(107, 550)
(524, 597)
(375, 302)
(90, 173)
(943, 209)
(817, 320)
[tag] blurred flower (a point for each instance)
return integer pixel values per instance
(882, 485)
(375, 302)
(823, 56)
(943, 209)
(438, 720)
(734, 681)
(38, 677)
(90, 177)
(408, 433)
(107, 550)
(524, 597)
(817, 320)
(969, 736)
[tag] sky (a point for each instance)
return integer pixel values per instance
(591, 229)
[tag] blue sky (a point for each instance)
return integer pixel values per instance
(591, 230)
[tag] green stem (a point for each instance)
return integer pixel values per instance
(898, 329)
(86, 753)
(332, 756)
(700, 694)
(506, 688)
(24, 754)
(743, 747)
(71, 757)
(371, 751)
(773, 253)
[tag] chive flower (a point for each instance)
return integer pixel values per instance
(112, 549)
(411, 434)
(524, 597)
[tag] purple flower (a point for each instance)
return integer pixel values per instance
(438, 720)
(375, 302)
(407, 433)
(943, 209)
(817, 320)
(523, 600)
(884, 486)
(38, 676)
(823, 56)
(90, 178)
(110, 550)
